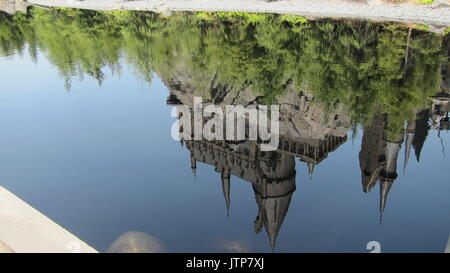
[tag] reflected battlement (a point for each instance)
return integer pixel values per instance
(307, 131)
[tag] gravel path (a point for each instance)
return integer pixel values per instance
(310, 8)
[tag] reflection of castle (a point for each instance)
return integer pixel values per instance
(378, 158)
(306, 132)
(272, 174)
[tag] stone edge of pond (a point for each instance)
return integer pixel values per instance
(438, 18)
(26, 230)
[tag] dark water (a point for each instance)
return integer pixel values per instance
(85, 114)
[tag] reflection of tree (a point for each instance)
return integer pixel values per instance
(363, 66)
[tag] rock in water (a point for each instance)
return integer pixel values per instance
(136, 242)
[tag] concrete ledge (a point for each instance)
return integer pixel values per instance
(24, 229)
(406, 13)
(5, 248)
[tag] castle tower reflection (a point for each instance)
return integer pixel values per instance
(272, 175)
(380, 148)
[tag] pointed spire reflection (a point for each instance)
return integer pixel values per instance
(388, 173)
(385, 187)
(225, 176)
(410, 133)
(379, 154)
(193, 165)
(311, 167)
(272, 210)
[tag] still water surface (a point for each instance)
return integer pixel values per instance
(86, 131)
